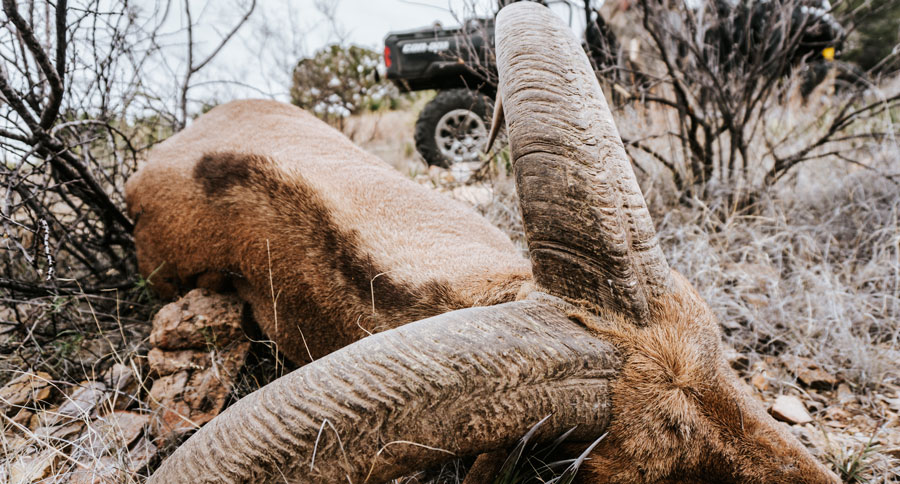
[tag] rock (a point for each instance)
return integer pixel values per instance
(189, 398)
(760, 375)
(87, 351)
(164, 363)
(13, 445)
(760, 382)
(117, 453)
(814, 401)
(95, 471)
(23, 419)
(141, 455)
(198, 348)
(738, 361)
(790, 409)
(83, 401)
(200, 319)
(174, 397)
(803, 433)
(27, 388)
(32, 468)
(116, 430)
(844, 394)
(837, 417)
(120, 378)
(817, 378)
(892, 403)
(58, 433)
(474, 195)
(124, 383)
(810, 373)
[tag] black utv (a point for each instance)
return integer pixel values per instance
(459, 63)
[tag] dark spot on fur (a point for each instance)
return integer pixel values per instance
(218, 172)
(334, 252)
(363, 275)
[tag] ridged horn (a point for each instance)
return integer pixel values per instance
(586, 222)
(457, 384)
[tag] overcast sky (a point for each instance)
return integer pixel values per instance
(259, 59)
(367, 21)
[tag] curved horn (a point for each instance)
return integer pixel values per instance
(457, 384)
(588, 229)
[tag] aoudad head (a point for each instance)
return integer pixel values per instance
(679, 414)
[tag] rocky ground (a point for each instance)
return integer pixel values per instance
(116, 426)
(858, 433)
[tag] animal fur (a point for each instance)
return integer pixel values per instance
(325, 241)
(680, 415)
(328, 243)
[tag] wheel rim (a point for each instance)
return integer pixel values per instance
(460, 136)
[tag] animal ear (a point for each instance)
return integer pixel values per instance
(588, 229)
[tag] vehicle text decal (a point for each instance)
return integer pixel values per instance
(419, 47)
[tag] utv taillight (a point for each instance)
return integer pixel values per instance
(387, 57)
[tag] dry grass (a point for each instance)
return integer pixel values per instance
(811, 274)
(389, 135)
(814, 271)
(68, 424)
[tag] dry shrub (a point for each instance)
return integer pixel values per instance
(815, 273)
(731, 101)
(812, 269)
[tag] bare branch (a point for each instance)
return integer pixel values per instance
(193, 69)
(54, 75)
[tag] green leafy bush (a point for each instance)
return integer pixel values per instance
(339, 81)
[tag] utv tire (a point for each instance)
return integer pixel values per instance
(453, 127)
